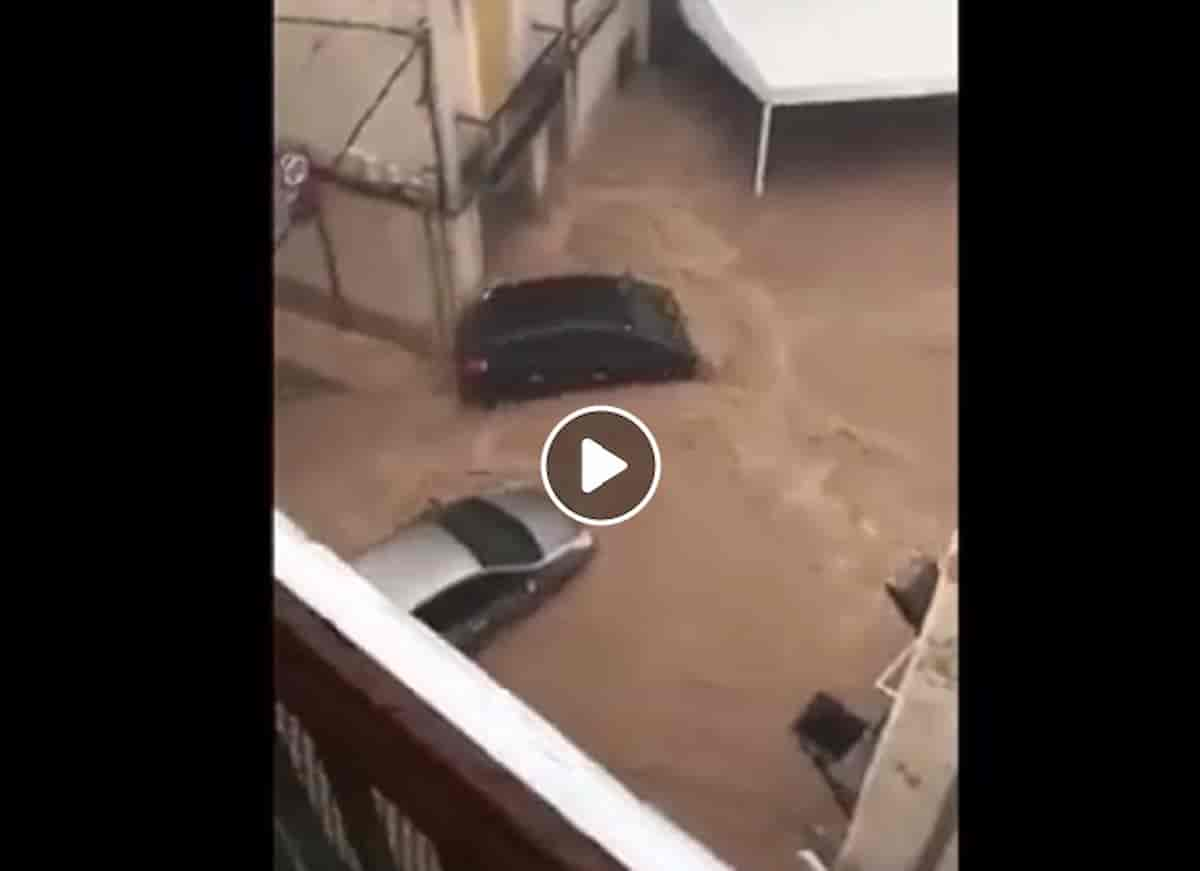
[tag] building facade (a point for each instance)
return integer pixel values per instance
(414, 113)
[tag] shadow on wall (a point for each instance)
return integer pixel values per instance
(321, 305)
(385, 285)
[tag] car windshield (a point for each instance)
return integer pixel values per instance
(494, 537)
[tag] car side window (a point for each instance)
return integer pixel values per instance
(592, 345)
(566, 348)
(628, 347)
(538, 349)
(469, 600)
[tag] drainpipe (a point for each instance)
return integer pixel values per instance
(571, 77)
(445, 181)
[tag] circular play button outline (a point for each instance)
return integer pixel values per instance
(636, 421)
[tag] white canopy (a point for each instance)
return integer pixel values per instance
(826, 51)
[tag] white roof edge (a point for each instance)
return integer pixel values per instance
(831, 51)
(868, 91)
(496, 720)
(708, 22)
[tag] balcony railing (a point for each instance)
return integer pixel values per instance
(396, 751)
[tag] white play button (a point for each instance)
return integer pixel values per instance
(597, 466)
(600, 465)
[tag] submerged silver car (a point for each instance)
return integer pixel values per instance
(471, 567)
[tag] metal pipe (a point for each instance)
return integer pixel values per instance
(435, 238)
(444, 290)
(532, 123)
(592, 26)
(496, 165)
(330, 256)
(764, 137)
(516, 92)
(347, 24)
(429, 95)
(570, 68)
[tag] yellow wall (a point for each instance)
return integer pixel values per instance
(493, 29)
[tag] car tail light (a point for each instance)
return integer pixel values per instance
(475, 365)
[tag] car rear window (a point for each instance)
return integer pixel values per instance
(656, 314)
(494, 537)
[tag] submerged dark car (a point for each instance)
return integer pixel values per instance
(549, 335)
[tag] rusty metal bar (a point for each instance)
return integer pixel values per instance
(475, 810)
(537, 91)
(570, 67)
(532, 124)
(388, 84)
(592, 26)
(517, 91)
(329, 254)
(347, 24)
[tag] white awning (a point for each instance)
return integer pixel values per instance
(818, 51)
(789, 52)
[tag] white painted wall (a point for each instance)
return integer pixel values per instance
(382, 256)
(598, 65)
(325, 79)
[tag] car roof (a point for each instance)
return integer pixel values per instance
(423, 558)
(415, 563)
(521, 307)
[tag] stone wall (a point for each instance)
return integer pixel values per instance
(906, 818)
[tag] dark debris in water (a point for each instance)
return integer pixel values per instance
(293, 381)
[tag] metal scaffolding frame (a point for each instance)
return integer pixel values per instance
(532, 99)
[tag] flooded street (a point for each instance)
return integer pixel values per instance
(821, 453)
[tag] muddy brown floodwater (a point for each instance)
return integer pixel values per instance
(822, 453)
